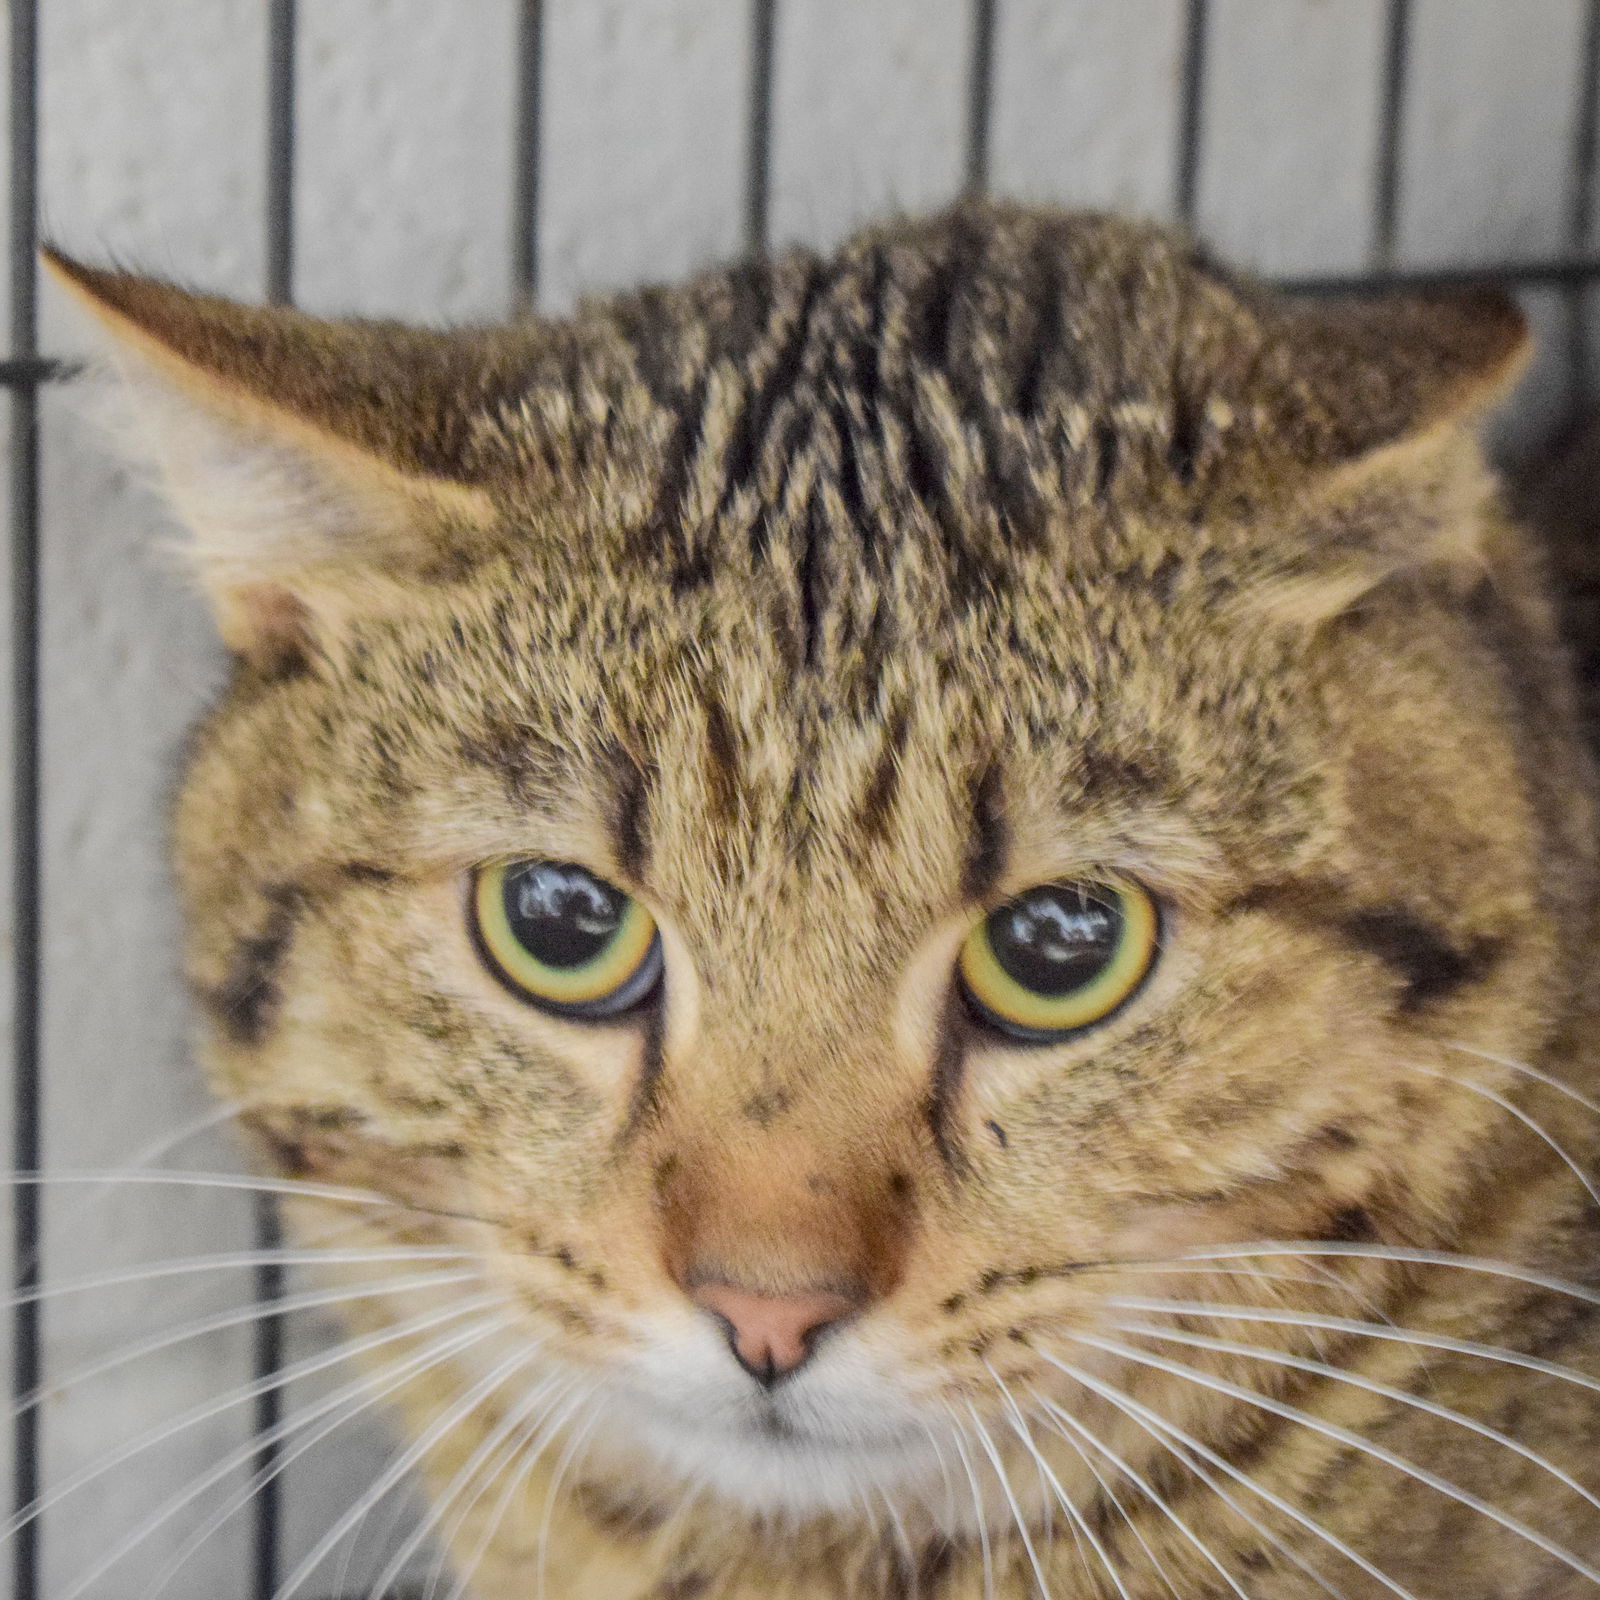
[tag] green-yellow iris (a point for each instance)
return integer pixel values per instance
(1059, 957)
(557, 935)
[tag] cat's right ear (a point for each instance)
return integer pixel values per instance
(309, 459)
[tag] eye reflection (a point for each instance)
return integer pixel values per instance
(1059, 958)
(564, 939)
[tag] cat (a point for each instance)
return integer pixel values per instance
(936, 908)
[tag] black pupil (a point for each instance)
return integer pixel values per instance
(1055, 939)
(560, 914)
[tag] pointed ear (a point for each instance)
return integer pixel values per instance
(308, 459)
(1390, 368)
(1391, 391)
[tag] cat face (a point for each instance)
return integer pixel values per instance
(830, 823)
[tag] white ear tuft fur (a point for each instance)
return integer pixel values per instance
(287, 523)
(256, 506)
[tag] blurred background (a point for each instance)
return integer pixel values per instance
(458, 161)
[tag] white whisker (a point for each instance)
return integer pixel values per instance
(1114, 1500)
(1529, 1072)
(1317, 1275)
(1140, 1412)
(1354, 1441)
(959, 1440)
(369, 1387)
(1511, 1109)
(242, 1395)
(133, 1170)
(1047, 1508)
(987, 1444)
(1187, 1461)
(548, 1427)
(1145, 1488)
(1369, 1330)
(514, 1420)
(401, 1507)
(868, 1511)
(1323, 1369)
(1265, 1274)
(136, 1167)
(1404, 1254)
(451, 1417)
(348, 1402)
(310, 1300)
(112, 1178)
(903, 1544)
(548, 1395)
(1080, 1523)
(576, 1440)
(1047, 1516)
(944, 1473)
(158, 1149)
(231, 1261)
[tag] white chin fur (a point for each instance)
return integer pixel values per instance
(784, 1478)
(839, 1430)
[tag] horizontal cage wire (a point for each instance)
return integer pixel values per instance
(25, 369)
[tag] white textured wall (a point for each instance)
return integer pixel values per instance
(153, 150)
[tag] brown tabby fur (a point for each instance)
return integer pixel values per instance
(824, 604)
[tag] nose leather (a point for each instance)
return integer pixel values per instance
(771, 1335)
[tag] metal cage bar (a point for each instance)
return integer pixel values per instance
(267, 1346)
(1391, 131)
(1191, 119)
(1580, 215)
(525, 169)
(27, 372)
(980, 92)
(758, 130)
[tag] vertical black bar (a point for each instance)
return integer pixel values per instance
(980, 95)
(1391, 131)
(525, 165)
(1580, 216)
(758, 136)
(26, 1143)
(267, 1359)
(1191, 112)
(280, 150)
(267, 1355)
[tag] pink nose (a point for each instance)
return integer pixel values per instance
(771, 1334)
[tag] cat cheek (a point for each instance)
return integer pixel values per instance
(1159, 1232)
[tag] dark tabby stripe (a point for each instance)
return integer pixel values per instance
(986, 850)
(1420, 955)
(783, 361)
(883, 787)
(652, 1061)
(949, 1058)
(1428, 964)
(631, 784)
(722, 766)
(247, 998)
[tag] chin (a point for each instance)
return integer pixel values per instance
(831, 1442)
(767, 1471)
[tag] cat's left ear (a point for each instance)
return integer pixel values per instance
(1386, 369)
(309, 459)
(1392, 391)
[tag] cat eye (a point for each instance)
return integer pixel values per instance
(567, 941)
(1059, 958)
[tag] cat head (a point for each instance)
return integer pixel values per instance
(829, 818)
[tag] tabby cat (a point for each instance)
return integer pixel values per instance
(949, 893)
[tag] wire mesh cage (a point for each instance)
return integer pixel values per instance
(400, 157)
